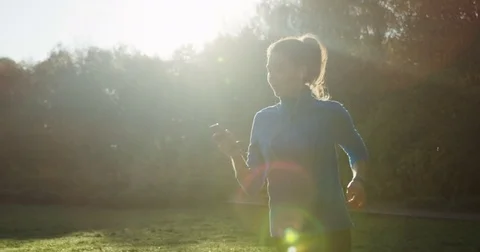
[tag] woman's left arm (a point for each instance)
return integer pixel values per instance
(350, 141)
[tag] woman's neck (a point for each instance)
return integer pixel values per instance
(296, 96)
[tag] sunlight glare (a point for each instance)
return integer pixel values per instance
(291, 236)
(292, 249)
(157, 27)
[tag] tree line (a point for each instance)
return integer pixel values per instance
(116, 126)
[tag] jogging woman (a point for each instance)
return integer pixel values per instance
(292, 149)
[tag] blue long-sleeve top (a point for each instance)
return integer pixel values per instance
(292, 148)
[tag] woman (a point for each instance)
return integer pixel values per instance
(292, 147)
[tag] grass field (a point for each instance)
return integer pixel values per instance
(228, 228)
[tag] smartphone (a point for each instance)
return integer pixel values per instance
(220, 137)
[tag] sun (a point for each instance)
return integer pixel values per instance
(159, 27)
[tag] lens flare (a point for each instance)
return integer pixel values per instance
(291, 236)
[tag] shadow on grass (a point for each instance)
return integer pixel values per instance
(230, 227)
(389, 233)
(143, 227)
(37, 222)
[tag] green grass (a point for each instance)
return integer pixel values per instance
(229, 228)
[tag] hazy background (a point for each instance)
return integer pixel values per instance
(93, 122)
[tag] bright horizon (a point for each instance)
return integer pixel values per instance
(31, 29)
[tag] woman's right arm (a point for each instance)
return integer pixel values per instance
(250, 178)
(250, 172)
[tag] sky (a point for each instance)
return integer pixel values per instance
(30, 29)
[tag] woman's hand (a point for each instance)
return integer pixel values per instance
(356, 196)
(226, 141)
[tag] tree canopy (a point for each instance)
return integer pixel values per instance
(114, 125)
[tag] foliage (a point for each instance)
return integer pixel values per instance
(116, 126)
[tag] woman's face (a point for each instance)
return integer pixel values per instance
(285, 78)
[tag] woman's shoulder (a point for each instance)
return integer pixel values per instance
(331, 105)
(267, 110)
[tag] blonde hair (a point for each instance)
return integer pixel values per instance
(308, 51)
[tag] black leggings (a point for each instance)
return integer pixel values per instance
(335, 241)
